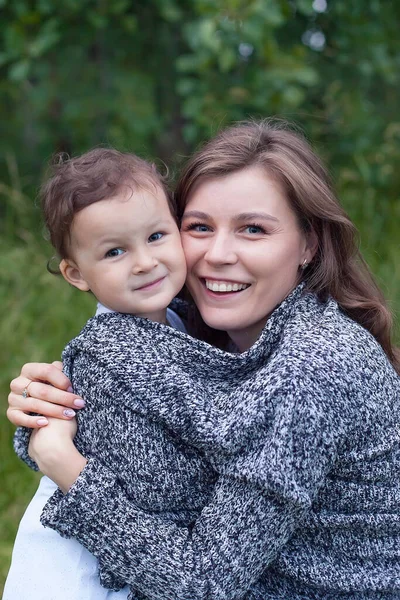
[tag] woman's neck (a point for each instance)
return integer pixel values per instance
(245, 338)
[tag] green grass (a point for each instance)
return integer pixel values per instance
(40, 313)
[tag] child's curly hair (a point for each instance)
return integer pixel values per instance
(100, 174)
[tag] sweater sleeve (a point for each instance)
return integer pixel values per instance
(21, 440)
(261, 496)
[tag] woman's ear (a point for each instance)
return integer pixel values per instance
(71, 273)
(311, 245)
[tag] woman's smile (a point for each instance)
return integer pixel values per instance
(241, 265)
(224, 286)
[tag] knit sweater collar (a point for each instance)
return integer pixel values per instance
(199, 383)
(174, 345)
(275, 323)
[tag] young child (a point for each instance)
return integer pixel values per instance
(112, 223)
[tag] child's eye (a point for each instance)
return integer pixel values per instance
(156, 236)
(114, 252)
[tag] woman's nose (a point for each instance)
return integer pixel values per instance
(221, 251)
(144, 261)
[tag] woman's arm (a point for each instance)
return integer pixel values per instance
(235, 538)
(261, 496)
(53, 450)
(50, 395)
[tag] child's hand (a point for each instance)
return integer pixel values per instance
(53, 449)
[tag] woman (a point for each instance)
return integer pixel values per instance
(305, 443)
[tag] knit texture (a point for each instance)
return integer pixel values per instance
(271, 474)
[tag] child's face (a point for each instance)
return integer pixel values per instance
(127, 251)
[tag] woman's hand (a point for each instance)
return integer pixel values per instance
(50, 395)
(53, 450)
(50, 441)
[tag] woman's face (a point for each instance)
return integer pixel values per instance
(243, 248)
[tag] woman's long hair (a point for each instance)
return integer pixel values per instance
(337, 269)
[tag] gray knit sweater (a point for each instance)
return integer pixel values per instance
(271, 474)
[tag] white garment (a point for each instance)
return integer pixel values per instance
(46, 566)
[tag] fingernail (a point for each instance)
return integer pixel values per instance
(68, 412)
(79, 403)
(42, 421)
(69, 389)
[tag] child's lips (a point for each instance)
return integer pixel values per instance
(151, 284)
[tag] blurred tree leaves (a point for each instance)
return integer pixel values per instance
(158, 77)
(162, 75)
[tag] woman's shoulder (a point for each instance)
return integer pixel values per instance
(320, 330)
(322, 347)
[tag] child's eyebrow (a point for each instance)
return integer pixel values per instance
(110, 238)
(110, 241)
(163, 223)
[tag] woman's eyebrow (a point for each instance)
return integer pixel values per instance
(197, 214)
(249, 216)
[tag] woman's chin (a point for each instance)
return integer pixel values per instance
(222, 320)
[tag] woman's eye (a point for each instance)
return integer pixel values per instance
(114, 252)
(156, 236)
(254, 229)
(199, 227)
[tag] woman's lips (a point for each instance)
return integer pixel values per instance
(223, 286)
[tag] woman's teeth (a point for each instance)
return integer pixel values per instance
(224, 286)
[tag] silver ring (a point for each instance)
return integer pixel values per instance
(25, 393)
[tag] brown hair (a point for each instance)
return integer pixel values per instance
(337, 269)
(78, 182)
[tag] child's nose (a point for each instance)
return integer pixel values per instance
(144, 261)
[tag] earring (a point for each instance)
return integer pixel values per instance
(304, 265)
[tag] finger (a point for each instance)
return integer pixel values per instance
(46, 372)
(43, 391)
(55, 406)
(58, 364)
(18, 384)
(41, 407)
(20, 419)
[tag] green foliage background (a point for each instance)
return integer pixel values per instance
(156, 78)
